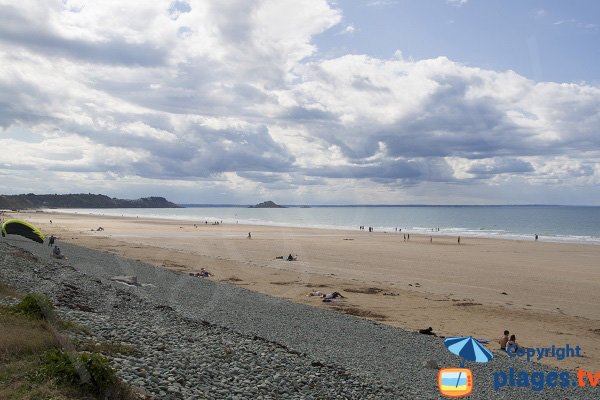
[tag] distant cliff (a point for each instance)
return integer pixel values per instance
(267, 204)
(23, 201)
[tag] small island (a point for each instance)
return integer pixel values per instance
(267, 204)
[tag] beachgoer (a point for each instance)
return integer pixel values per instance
(51, 241)
(427, 331)
(512, 345)
(290, 257)
(249, 235)
(536, 237)
(503, 340)
(405, 237)
(333, 295)
(430, 239)
(204, 273)
(408, 236)
(57, 253)
(459, 240)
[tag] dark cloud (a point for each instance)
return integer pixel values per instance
(389, 170)
(500, 166)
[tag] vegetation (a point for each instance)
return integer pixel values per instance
(22, 201)
(33, 365)
(35, 305)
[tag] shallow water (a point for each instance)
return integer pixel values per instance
(552, 223)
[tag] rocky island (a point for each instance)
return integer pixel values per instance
(267, 204)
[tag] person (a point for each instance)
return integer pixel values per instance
(536, 237)
(290, 257)
(57, 253)
(51, 241)
(405, 237)
(512, 345)
(430, 239)
(249, 235)
(459, 240)
(204, 273)
(427, 331)
(408, 236)
(503, 340)
(333, 295)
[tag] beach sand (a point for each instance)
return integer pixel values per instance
(545, 293)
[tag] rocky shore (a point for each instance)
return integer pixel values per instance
(193, 338)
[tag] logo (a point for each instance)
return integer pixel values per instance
(455, 382)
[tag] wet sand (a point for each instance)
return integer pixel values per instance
(546, 293)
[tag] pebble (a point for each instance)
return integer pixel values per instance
(183, 351)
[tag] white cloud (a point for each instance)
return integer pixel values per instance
(457, 3)
(231, 94)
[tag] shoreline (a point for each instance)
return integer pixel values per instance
(383, 262)
(450, 232)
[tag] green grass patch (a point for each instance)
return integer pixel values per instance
(7, 291)
(74, 327)
(35, 305)
(105, 348)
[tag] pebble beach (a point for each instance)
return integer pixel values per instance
(196, 338)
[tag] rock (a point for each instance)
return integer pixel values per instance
(432, 364)
(126, 279)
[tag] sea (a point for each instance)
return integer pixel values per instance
(573, 224)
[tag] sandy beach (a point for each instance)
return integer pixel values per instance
(545, 293)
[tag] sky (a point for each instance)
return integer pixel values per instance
(303, 102)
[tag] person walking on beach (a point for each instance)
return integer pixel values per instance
(249, 235)
(536, 237)
(459, 240)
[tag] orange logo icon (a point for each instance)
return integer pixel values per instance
(455, 382)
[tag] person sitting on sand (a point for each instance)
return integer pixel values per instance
(292, 258)
(333, 295)
(512, 346)
(503, 340)
(204, 273)
(427, 331)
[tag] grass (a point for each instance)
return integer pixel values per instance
(105, 348)
(74, 327)
(33, 366)
(21, 335)
(7, 291)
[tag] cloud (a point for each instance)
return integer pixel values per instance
(234, 95)
(500, 166)
(457, 3)
(348, 30)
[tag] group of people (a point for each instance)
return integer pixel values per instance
(56, 252)
(508, 343)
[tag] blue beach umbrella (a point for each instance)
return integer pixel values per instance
(468, 348)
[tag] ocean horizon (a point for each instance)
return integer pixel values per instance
(553, 223)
